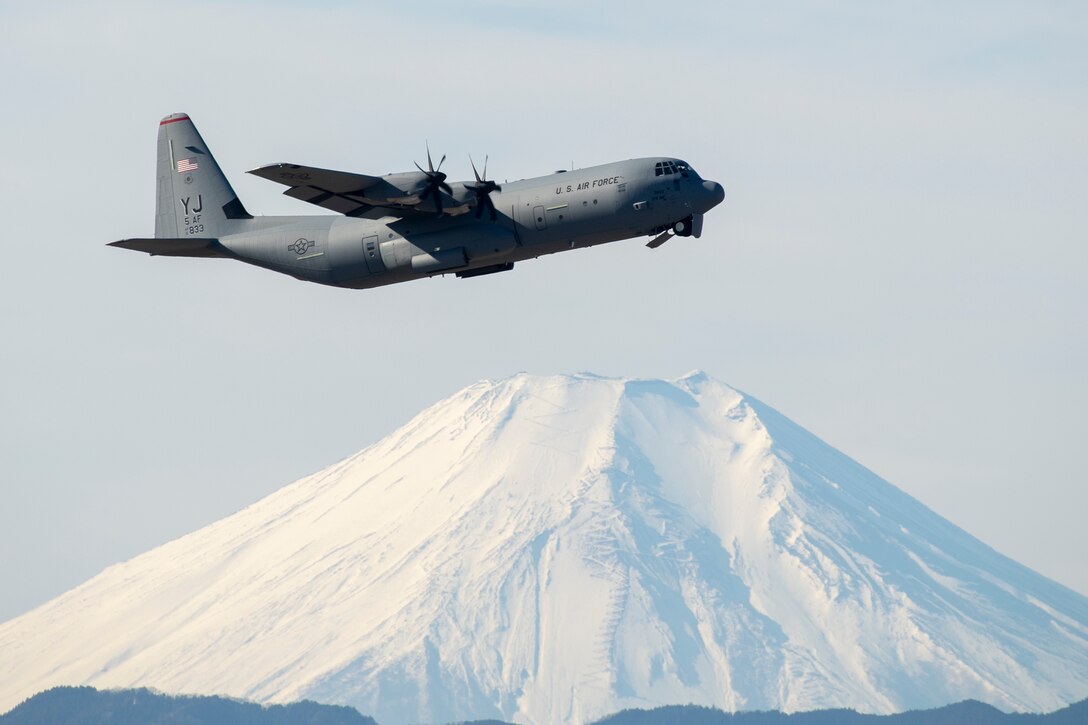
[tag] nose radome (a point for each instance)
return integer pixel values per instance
(717, 192)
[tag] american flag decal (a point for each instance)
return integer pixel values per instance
(186, 165)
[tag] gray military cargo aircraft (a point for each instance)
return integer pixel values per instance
(405, 226)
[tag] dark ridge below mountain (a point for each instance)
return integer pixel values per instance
(968, 712)
(88, 706)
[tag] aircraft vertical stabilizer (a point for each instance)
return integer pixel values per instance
(194, 197)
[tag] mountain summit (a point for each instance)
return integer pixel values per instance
(554, 549)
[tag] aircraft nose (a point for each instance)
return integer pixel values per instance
(716, 193)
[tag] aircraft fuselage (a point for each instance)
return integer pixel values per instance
(539, 216)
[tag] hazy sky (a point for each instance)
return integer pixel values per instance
(901, 263)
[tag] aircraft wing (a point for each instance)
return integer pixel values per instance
(339, 191)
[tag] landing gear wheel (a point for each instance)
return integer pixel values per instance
(682, 228)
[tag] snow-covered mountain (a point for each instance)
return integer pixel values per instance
(553, 549)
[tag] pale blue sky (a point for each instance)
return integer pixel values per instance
(900, 265)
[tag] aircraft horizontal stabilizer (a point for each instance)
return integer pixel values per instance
(187, 247)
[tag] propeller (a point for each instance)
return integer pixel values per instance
(482, 190)
(436, 181)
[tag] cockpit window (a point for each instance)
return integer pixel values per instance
(662, 168)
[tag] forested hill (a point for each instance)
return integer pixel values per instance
(970, 712)
(88, 706)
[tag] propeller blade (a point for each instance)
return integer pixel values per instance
(482, 189)
(436, 180)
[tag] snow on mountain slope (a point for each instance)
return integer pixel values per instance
(553, 549)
